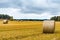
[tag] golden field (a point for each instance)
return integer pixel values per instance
(27, 30)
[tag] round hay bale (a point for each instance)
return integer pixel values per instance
(48, 26)
(5, 21)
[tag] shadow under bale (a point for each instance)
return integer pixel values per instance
(5, 21)
(48, 26)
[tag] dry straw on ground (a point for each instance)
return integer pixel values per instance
(48, 26)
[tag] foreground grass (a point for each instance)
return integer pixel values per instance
(27, 30)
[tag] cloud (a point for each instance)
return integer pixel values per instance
(39, 6)
(4, 1)
(19, 15)
(56, 1)
(10, 11)
(32, 8)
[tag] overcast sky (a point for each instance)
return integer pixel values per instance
(30, 9)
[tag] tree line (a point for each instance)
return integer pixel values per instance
(3, 16)
(56, 18)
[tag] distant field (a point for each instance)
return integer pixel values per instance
(27, 30)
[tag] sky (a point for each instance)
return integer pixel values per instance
(30, 9)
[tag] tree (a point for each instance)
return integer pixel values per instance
(56, 18)
(11, 18)
(2, 16)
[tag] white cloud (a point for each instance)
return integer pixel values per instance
(10, 11)
(4, 1)
(37, 9)
(18, 15)
(39, 3)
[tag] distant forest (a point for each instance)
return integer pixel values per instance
(56, 18)
(30, 19)
(3, 16)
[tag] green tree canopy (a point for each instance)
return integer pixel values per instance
(3, 16)
(56, 18)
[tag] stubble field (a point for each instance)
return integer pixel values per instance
(27, 30)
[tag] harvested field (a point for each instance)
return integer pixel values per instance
(27, 30)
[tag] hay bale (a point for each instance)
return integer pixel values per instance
(48, 26)
(5, 21)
